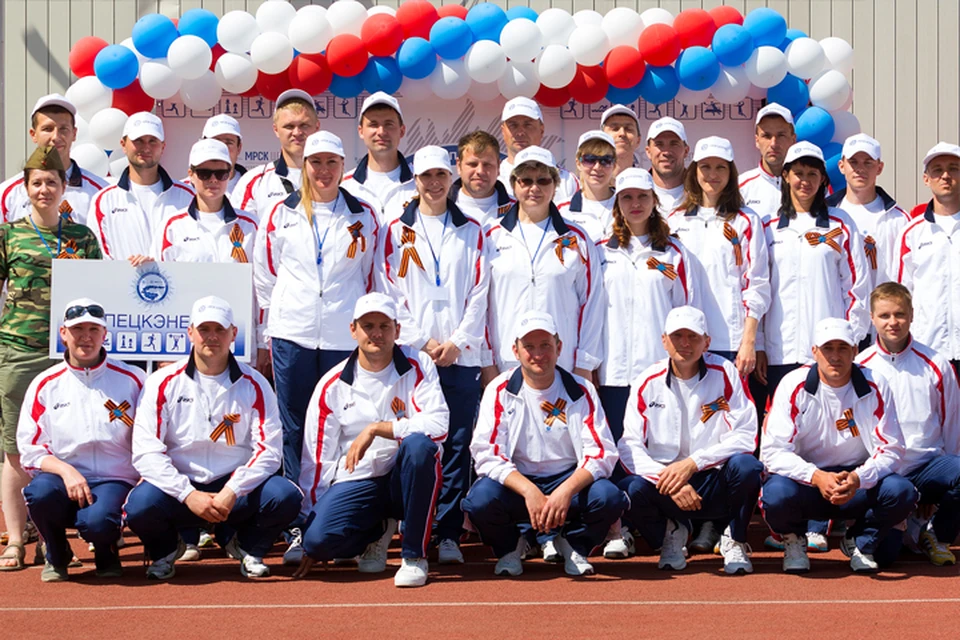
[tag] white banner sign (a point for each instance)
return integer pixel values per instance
(148, 308)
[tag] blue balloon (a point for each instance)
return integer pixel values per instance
(615, 95)
(381, 74)
(792, 34)
(792, 92)
(521, 12)
(732, 44)
(153, 34)
(451, 37)
(344, 87)
(659, 85)
(416, 58)
(767, 27)
(200, 23)
(697, 68)
(486, 20)
(116, 66)
(832, 152)
(814, 125)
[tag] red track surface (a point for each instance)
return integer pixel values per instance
(627, 599)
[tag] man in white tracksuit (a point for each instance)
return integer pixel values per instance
(667, 151)
(478, 191)
(521, 124)
(774, 134)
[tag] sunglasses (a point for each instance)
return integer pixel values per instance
(528, 182)
(79, 310)
(588, 160)
(206, 174)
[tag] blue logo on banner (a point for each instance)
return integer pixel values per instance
(152, 287)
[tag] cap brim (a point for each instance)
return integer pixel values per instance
(66, 104)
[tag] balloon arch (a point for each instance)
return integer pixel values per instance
(450, 52)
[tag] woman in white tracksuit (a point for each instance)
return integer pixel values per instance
(591, 206)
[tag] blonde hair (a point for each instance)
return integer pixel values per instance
(297, 105)
(306, 191)
(891, 291)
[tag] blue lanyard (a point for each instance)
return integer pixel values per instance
(533, 258)
(436, 258)
(316, 231)
(40, 235)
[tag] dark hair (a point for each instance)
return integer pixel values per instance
(730, 203)
(657, 227)
(49, 110)
(380, 107)
(819, 206)
(59, 172)
(479, 141)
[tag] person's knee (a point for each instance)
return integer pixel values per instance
(607, 497)
(640, 491)
(898, 492)
(284, 501)
(142, 504)
(418, 450)
(746, 468)
(481, 499)
(43, 489)
(778, 492)
(321, 543)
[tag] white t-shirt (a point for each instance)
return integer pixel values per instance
(670, 199)
(381, 183)
(211, 386)
(688, 413)
(483, 210)
(596, 218)
(532, 234)
(211, 221)
(146, 194)
(543, 449)
(374, 383)
(434, 228)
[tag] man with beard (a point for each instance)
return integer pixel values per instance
(478, 192)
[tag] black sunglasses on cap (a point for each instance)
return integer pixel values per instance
(79, 310)
(206, 174)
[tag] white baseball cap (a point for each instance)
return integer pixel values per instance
(379, 97)
(375, 302)
(861, 142)
(431, 157)
(54, 100)
(521, 107)
(531, 321)
(211, 309)
(833, 329)
(323, 142)
(219, 125)
(83, 310)
(803, 149)
(619, 110)
(534, 154)
(713, 147)
(141, 124)
(685, 317)
(634, 178)
(204, 150)
(596, 134)
(775, 109)
(940, 149)
(666, 124)
(291, 94)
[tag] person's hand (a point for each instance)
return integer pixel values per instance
(201, 504)
(445, 354)
(536, 502)
(760, 372)
(675, 475)
(827, 482)
(264, 363)
(849, 483)
(306, 564)
(224, 500)
(555, 509)
(77, 488)
(138, 260)
(358, 448)
(746, 360)
(687, 498)
(430, 347)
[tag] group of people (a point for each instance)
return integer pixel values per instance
(553, 359)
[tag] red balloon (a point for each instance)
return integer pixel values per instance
(132, 99)
(659, 44)
(725, 14)
(552, 97)
(624, 66)
(346, 55)
(252, 92)
(695, 28)
(455, 10)
(311, 73)
(589, 85)
(217, 51)
(416, 17)
(382, 34)
(83, 53)
(271, 85)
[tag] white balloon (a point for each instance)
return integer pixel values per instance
(416, 90)
(202, 93)
(731, 86)
(589, 45)
(275, 16)
(381, 8)
(556, 66)
(520, 79)
(521, 40)
(805, 58)
(128, 43)
(449, 80)
(588, 16)
(757, 93)
(829, 90)
(690, 97)
(846, 106)
(656, 15)
(90, 157)
(311, 31)
(106, 128)
(235, 72)
(623, 26)
(89, 96)
(83, 130)
(236, 31)
(118, 162)
(485, 61)
(346, 16)
(484, 91)
(556, 25)
(158, 80)
(839, 54)
(845, 124)
(271, 52)
(766, 67)
(189, 56)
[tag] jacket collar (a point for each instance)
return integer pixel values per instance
(928, 213)
(349, 372)
(280, 166)
(701, 371)
(503, 198)
(857, 377)
(124, 181)
(570, 385)
(229, 215)
(613, 242)
(835, 198)
(361, 172)
(75, 176)
(93, 371)
(292, 200)
(232, 365)
(510, 219)
(239, 169)
(409, 216)
(822, 219)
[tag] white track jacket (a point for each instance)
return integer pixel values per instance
(490, 215)
(760, 192)
(181, 237)
(82, 186)
(264, 186)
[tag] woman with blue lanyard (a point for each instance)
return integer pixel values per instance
(435, 267)
(28, 247)
(646, 273)
(314, 259)
(591, 206)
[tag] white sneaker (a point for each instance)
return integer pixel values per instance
(860, 562)
(550, 553)
(374, 557)
(163, 569)
(817, 542)
(449, 552)
(412, 573)
(573, 563)
(620, 544)
(192, 554)
(672, 550)
(294, 553)
(736, 555)
(250, 566)
(512, 563)
(795, 559)
(206, 540)
(706, 540)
